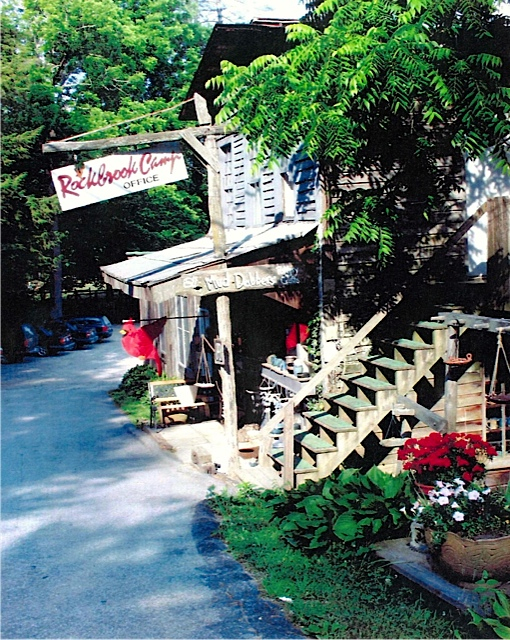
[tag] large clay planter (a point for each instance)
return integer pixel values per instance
(465, 559)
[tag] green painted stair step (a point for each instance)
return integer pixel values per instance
(351, 402)
(388, 363)
(300, 465)
(414, 345)
(314, 443)
(373, 383)
(329, 421)
(430, 324)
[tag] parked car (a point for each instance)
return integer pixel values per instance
(101, 324)
(31, 343)
(82, 334)
(55, 338)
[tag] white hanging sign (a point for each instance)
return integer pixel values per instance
(118, 175)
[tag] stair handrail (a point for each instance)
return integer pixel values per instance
(309, 387)
(286, 412)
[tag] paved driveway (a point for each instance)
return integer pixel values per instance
(105, 535)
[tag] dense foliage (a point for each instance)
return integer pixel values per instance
(333, 593)
(354, 508)
(395, 90)
(132, 394)
(133, 385)
(70, 67)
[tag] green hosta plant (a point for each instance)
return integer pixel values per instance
(353, 508)
(498, 603)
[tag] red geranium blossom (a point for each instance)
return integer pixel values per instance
(446, 456)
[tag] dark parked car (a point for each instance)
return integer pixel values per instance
(31, 343)
(20, 341)
(83, 335)
(55, 338)
(101, 324)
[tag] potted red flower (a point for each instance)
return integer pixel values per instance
(446, 456)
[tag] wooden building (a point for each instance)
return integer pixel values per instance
(382, 338)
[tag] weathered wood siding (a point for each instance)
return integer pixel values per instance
(258, 196)
(173, 355)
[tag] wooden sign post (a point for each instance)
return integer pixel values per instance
(208, 154)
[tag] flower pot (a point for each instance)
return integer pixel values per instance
(466, 559)
(424, 488)
(247, 451)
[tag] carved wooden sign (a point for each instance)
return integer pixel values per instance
(118, 175)
(234, 279)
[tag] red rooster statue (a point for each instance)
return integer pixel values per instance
(140, 342)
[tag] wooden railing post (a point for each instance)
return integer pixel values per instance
(288, 445)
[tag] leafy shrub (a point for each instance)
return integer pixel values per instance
(133, 385)
(352, 508)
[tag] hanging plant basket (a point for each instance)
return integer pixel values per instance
(459, 362)
(499, 398)
(464, 559)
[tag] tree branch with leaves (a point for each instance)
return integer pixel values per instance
(393, 90)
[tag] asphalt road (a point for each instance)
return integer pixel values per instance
(103, 534)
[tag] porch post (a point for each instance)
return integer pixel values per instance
(451, 377)
(228, 381)
(227, 371)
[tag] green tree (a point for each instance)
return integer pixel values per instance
(394, 89)
(28, 213)
(70, 67)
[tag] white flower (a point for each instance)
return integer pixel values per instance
(455, 505)
(459, 482)
(445, 491)
(486, 491)
(473, 495)
(443, 500)
(459, 516)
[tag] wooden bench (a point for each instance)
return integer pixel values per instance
(165, 401)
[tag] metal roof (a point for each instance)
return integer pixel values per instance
(142, 273)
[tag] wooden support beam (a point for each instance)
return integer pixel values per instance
(130, 141)
(217, 228)
(203, 115)
(228, 381)
(431, 419)
(202, 151)
(288, 446)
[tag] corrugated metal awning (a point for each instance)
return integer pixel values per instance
(150, 276)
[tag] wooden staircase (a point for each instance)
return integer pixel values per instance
(355, 411)
(403, 385)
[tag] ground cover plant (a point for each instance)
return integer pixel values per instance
(330, 588)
